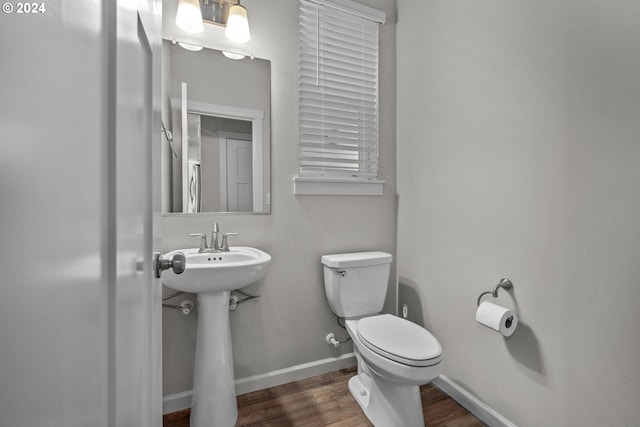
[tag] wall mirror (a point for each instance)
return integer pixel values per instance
(217, 114)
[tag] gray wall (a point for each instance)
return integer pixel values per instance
(287, 325)
(54, 368)
(519, 156)
(211, 77)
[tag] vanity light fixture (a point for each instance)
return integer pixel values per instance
(189, 16)
(237, 24)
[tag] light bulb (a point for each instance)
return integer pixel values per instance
(189, 16)
(238, 25)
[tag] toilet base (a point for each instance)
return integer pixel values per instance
(385, 403)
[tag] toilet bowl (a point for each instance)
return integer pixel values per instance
(397, 349)
(387, 386)
(395, 356)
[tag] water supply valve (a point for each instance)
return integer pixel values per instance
(233, 302)
(187, 307)
(331, 340)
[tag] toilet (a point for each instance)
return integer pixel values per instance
(395, 356)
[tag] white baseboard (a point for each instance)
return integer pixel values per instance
(471, 403)
(294, 373)
(176, 402)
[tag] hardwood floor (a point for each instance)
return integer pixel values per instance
(325, 400)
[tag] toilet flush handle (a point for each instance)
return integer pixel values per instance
(341, 273)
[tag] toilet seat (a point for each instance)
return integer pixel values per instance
(399, 340)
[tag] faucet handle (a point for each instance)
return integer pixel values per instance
(225, 243)
(203, 241)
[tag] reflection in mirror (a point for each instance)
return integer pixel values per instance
(218, 111)
(218, 150)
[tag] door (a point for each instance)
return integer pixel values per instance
(137, 320)
(79, 321)
(236, 172)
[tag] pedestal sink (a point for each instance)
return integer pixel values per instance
(213, 276)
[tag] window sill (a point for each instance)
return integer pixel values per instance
(317, 186)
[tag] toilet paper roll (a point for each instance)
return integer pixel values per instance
(497, 317)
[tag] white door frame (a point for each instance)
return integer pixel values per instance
(256, 117)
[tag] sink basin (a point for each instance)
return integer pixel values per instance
(218, 271)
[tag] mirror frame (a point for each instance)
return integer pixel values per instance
(261, 131)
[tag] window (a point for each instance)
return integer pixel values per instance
(338, 98)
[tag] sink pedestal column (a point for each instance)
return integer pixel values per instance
(214, 390)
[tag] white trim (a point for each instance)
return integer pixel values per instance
(184, 135)
(354, 8)
(258, 163)
(179, 401)
(223, 173)
(176, 402)
(294, 373)
(337, 186)
(224, 111)
(471, 403)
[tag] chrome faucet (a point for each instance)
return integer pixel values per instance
(215, 246)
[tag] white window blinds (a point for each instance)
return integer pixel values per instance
(338, 90)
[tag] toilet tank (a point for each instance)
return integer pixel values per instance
(356, 283)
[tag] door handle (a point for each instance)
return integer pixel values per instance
(177, 263)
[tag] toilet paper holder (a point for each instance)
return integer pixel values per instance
(503, 283)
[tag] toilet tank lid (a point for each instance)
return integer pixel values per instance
(356, 259)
